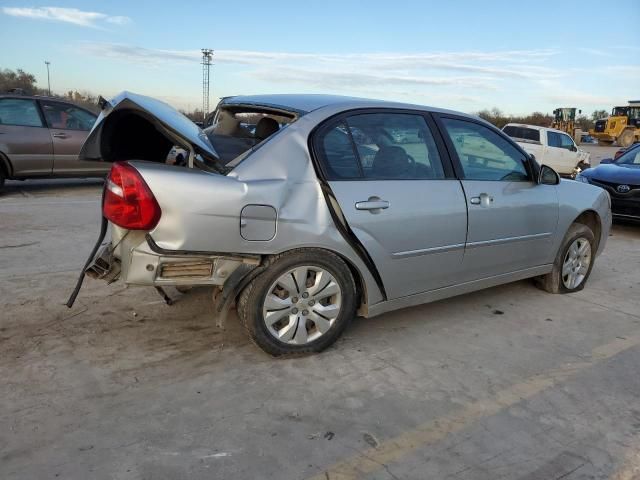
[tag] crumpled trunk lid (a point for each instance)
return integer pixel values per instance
(136, 127)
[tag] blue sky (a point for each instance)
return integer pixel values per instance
(466, 55)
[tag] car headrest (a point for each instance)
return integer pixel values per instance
(390, 162)
(266, 127)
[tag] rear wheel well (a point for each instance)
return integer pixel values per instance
(592, 220)
(361, 289)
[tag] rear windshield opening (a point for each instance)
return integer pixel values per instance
(236, 129)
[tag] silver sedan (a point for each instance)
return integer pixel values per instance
(306, 210)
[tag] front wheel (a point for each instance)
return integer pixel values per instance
(573, 263)
(300, 303)
(626, 138)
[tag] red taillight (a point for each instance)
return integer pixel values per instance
(128, 201)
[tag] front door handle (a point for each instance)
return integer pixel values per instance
(373, 204)
(59, 135)
(483, 199)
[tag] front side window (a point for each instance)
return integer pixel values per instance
(384, 146)
(484, 154)
(67, 117)
(553, 139)
(566, 142)
(21, 112)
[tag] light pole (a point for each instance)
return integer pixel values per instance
(47, 63)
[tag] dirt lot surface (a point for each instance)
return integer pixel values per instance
(507, 383)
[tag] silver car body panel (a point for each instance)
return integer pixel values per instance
(439, 254)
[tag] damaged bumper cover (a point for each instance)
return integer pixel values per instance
(137, 260)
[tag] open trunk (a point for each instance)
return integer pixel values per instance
(135, 127)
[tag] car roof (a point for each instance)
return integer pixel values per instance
(305, 103)
(37, 97)
(535, 127)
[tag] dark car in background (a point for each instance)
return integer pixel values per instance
(620, 151)
(621, 178)
(40, 137)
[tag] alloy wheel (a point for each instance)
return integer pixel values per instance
(576, 263)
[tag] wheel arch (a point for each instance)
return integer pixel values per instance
(591, 219)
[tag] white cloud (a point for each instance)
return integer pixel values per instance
(67, 15)
(353, 80)
(346, 71)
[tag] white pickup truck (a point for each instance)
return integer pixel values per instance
(550, 147)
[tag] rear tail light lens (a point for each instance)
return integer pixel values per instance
(128, 201)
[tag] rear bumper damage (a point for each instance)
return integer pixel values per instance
(137, 260)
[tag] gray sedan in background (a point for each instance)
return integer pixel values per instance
(332, 207)
(40, 137)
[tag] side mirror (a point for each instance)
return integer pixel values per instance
(548, 176)
(606, 160)
(532, 157)
(573, 148)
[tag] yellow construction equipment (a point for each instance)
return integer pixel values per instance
(622, 126)
(564, 119)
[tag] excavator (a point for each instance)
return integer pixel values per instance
(622, 126)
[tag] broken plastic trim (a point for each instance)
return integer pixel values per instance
(76, 290)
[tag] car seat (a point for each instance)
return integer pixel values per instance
(266, 127)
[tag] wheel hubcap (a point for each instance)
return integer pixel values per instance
(302, 305)
(576, 263)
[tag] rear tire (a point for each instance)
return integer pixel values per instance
(573, 263)
(300, 303)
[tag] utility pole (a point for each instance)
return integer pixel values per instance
(47, 63)
(207, 55)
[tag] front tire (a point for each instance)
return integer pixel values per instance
(573, 262)
(300, 303)
(626, 138)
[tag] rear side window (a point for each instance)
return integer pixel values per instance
(21, 112)
(522, 133)
(67, 117)
(339, 154)
(554, 140)
(383, 146)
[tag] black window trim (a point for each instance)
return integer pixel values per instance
(315, 148)
(41, 105)
(530, 165)
(43, 123)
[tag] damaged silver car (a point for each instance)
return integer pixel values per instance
(306, 210)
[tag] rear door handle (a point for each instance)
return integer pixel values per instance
(483, 199)
(59, 135)
(374, 203)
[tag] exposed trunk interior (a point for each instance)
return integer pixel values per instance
(129, 135)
